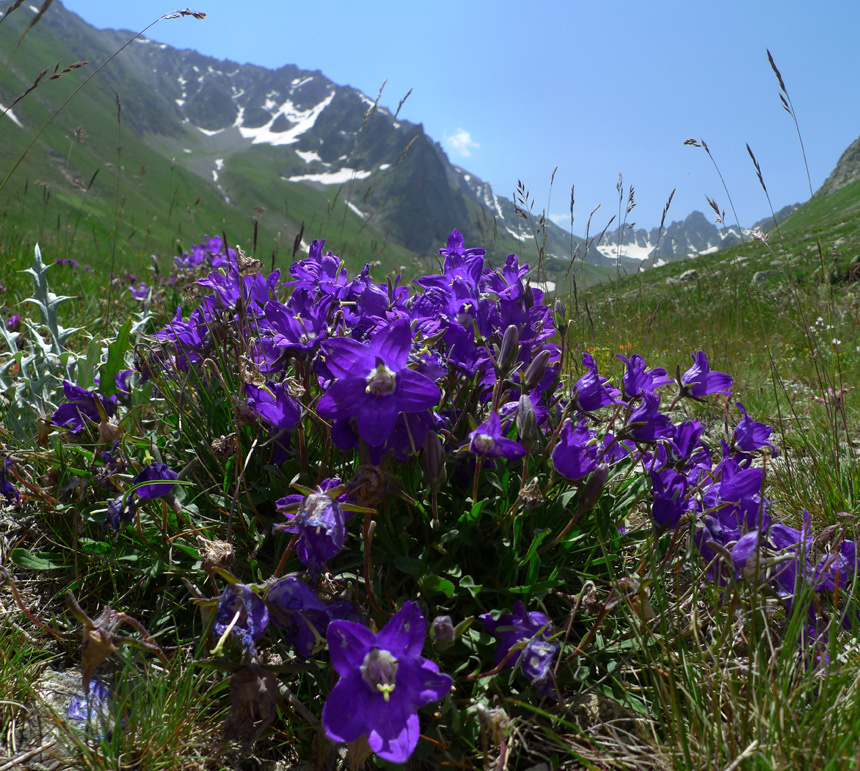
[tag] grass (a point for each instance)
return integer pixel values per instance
(668, 655)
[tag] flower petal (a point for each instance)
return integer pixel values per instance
(348, 644)
(347, 707)
(348, 358)
(392, 343)
(416, 392)
(403, 635)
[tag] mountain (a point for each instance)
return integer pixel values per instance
(176, 140)
(687, 238)
(681, 240)
(847, 170)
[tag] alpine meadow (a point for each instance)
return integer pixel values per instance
(318, 453)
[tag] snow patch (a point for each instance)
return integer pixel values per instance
(518, 236)
(303, 121)
(180, 102)
(309, 156)
(633, 251)
(330, 177)
(209, 133)
(299, 82)
(384, 166)
(545, 286)
(185, 150)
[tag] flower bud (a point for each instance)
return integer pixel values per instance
(536, 370)
(508, 351)
(442, 632)
(433, 460)
(527, 429)
(590, 493)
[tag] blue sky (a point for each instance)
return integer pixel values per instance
(513, 89)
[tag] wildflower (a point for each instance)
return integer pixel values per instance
(383, 682)
(537, 654)
(750, 435)
(241, 612)
(160, 481)
(746, 556)
(699, 381)
(91, 707)
(645, 423)
(577, 453)
(274, 404)
(7, 490)
(670, 503)
(13, 323)
(638, 379)
(321, 523)
(295, 608)
(82, 407)
(373, 383)
(488, 441)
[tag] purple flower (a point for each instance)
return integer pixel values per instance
(83, 407)
(373, 383)
(274, 404)
(699, 381)
(488, 441)
(294, 608)
(160, 481)
(13, 323)
(7, 490)
(746, 556)
(638, 378)
(646, 423)
(321, 523)
(750, 435)
(577, 453)
(669, 489)
(590, 392)
(117, 513)
(384, 680)
(537, 653)
(242, 612)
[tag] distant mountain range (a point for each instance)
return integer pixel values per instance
(681, 240)
(287, 149)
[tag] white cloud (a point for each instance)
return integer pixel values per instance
(562, 220)
(461, 143)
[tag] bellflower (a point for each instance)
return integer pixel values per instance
(750, 435)
(82, 407)
(7, 490)
(383, 682)
(321, 525)
(242, 612)
(699, 381)
(161, 481)
(373, 383)
(537, 654)
(295, 608)
(639, 378)
(488, 441)
(577, 453)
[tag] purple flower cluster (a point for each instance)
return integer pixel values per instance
(462, 370)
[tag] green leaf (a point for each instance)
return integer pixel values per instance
(115, 361)
(438, 584)
(409, 565)
(40, 560)
(468, 583)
